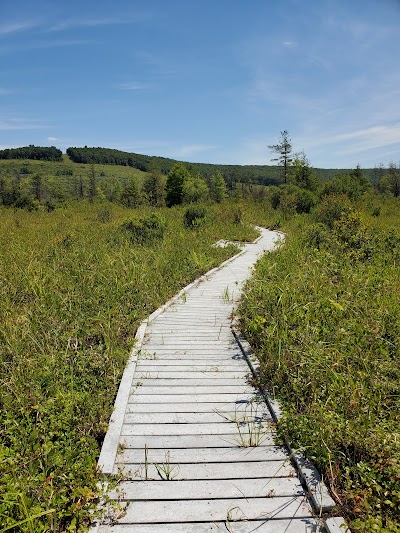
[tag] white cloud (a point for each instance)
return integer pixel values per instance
(95, 22)
(160, 148)
(13, 27)
(52, 139)
(132, 86)
(8, 123)
(188, 150)
(356, 141)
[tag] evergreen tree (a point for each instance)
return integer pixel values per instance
(111, 188)
(391, 181)
(218, 191)
(302, 174)
(92, 184)
(174, 187)
(37, 186)
(130, 196)
(154, 188)
(362, 180)
(284, 149)
(194, 190)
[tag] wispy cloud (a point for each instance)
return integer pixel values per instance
(369, 138)
(95, 22)
(53, 139)
(188, 150)
(165, 148)
(10, 123)
(132, 86)
(38, 45)
(9, 28)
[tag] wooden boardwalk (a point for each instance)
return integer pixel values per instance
(191, 435)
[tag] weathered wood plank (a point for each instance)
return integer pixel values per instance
(190, 389)
(181, 471)
(238, 398)
(255, 419)
(169, 442)
(207, 489)
(195, 366)
(217, 428)
(229, 409)
(189, 355)
(188, 381)
(292, 525)
(203, 455)
(228, 510)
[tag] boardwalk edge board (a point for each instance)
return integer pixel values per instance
(308, 473)
(110, 445)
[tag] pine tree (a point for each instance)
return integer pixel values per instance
(154, 188)
(174, 188)
(284, 149)
(218, 191)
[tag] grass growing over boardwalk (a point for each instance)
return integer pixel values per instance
(323, 313)
(73, 288)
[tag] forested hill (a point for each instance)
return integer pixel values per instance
(41, 153)
(258, 174)
(261, 174)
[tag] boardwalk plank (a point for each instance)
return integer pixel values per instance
(227, 408)
(228, 510)
(208, 489)
(216, 428)
(238, 398)
(292, 525)
(204, 455)
(218, 416)
(183, 471)
(140, 387)
(169, 442)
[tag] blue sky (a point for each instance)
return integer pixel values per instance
(204, 80)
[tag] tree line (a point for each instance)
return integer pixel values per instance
(298, 188)
(261, 174)
(40, 153)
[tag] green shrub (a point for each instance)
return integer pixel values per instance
(104, 214)
(146, 230)
(316, 235)
(26, 202)
(237, 214)
(332, 207)
(194, 216)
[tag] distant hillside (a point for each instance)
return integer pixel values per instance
(39, 153)
(257, 174)
(260, 174)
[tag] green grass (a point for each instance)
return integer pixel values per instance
(73, 290)
(323, 314)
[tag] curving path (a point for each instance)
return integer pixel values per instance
(192, 436)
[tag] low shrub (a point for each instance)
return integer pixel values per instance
(146, 230)
(194, 216)
(331, 208)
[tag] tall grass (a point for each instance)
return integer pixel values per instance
(324, 315)
(73, 289)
